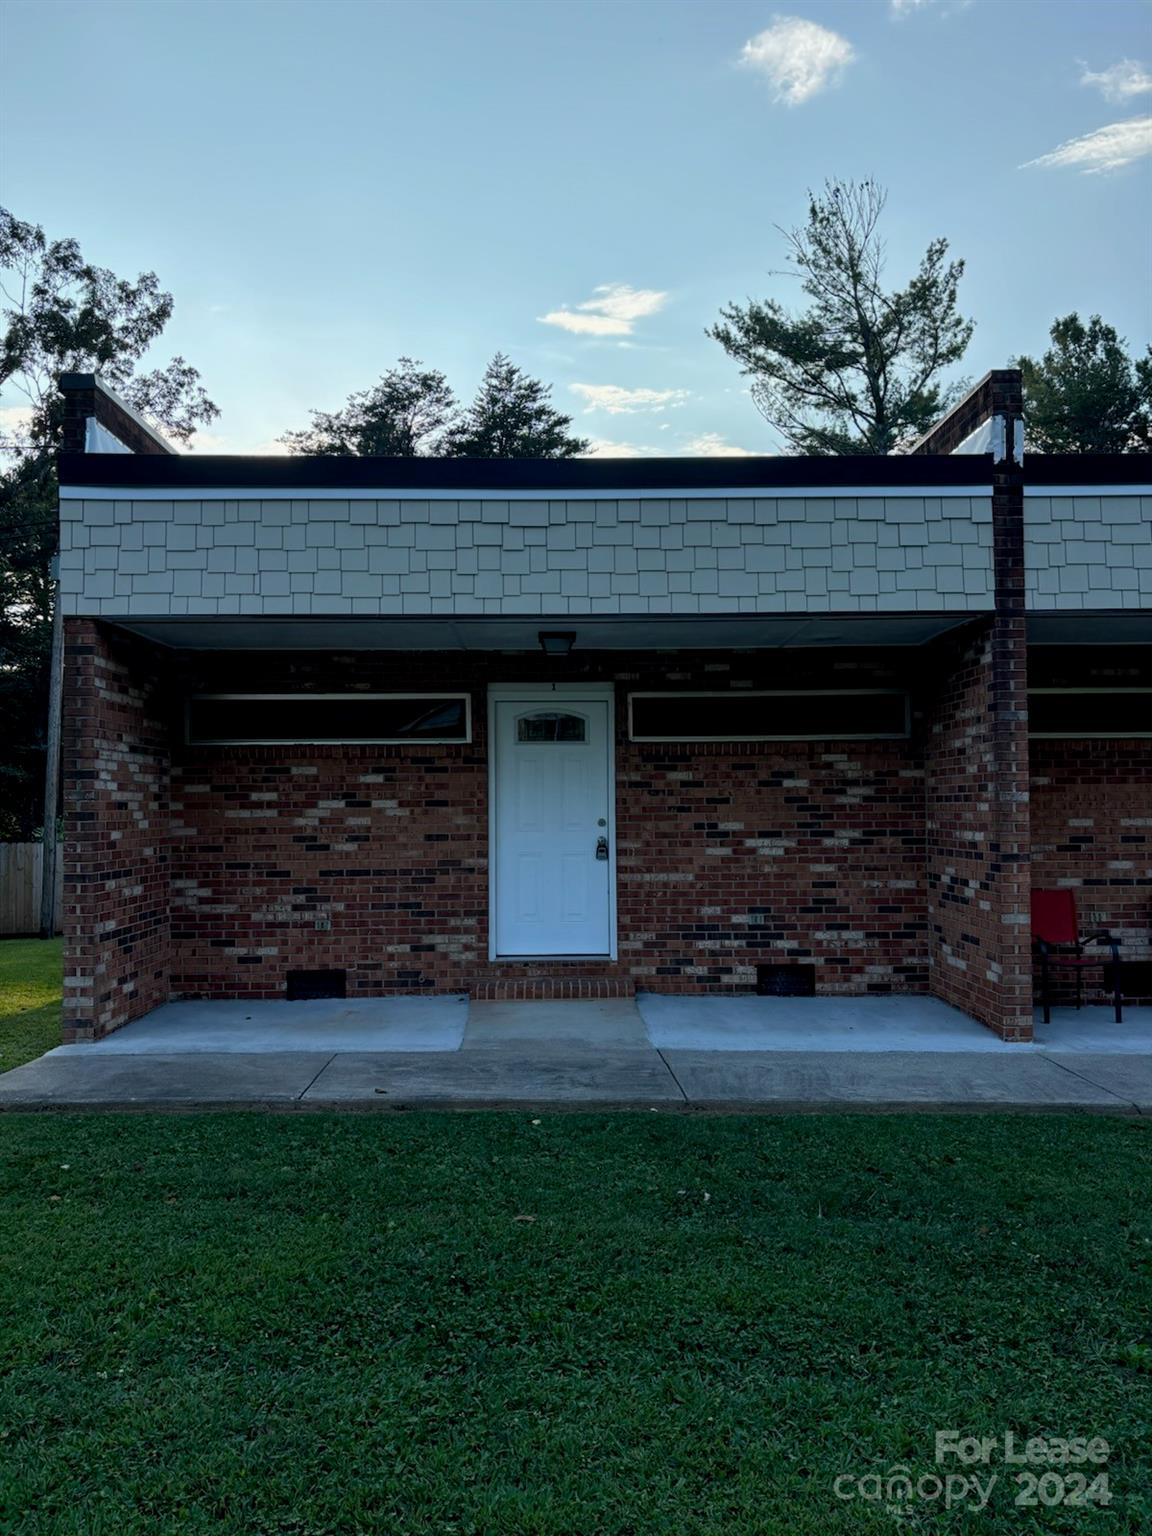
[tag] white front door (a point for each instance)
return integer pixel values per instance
(552, 853)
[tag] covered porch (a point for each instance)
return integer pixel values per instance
(836, 833)
(871, 845)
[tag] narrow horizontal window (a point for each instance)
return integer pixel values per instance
(1090, 712)
(828, 715)
(265, 719)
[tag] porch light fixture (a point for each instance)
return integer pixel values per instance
(557, 642)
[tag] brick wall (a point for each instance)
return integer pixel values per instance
(83, 399)
(998, 393)
(977, 829)
(1092, 831)
(727, 856)
(116, 892)
(976, 773)
(976, 761)
(1092, 806)
(734, 856)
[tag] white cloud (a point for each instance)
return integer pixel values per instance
(612, 311)
(1105, 149)
(585, 325)
(1120, 81)
(209, 442)
(799, 58)
(217, 442)
(901, 8)
(624, 303)
(14, 422)
(620, 402)
(605, 448)
(710, 445)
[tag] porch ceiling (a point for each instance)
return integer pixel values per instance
(609, 633)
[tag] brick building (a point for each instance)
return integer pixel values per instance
(582, 728)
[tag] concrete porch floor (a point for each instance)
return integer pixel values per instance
(872, 1024)
(768, 1054)
(327, 1024)
(651, 1020)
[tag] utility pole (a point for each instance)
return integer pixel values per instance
(52, 764)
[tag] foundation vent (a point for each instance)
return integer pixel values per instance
(303, 985)
(786, 981)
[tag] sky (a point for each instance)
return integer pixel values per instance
(326, 185)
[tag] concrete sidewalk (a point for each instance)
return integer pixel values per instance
(577, 1076)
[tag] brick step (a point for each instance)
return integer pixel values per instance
(548, 988)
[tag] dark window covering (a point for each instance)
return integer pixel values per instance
(309, 719)
(1090, 712)
(768, 716)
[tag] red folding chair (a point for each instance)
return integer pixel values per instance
(1059, 945)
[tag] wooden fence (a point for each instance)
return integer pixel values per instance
(21, 873)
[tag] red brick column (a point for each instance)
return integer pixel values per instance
(83, 397)
(1011, 866)
(116, 871)
(976, 853)
(976, 781)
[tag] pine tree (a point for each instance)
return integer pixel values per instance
(859, 370)
(511, 418)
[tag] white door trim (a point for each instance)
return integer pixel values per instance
(498, 693)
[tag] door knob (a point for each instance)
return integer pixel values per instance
(602, 848)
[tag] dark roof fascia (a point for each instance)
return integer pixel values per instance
(549, 476)
(1087, 469)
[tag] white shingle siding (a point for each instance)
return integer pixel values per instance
(1088, 551)
(866, 554)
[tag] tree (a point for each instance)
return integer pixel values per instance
(859, 371)
(1086, 395)
(60, 314)
(27, 544)
(510, 418)
(400, 417)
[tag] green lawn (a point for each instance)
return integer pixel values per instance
(564, 1325)
(30, 988)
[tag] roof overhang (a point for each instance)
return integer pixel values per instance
(521, 632)
(642, 632)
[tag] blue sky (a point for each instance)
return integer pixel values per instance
(325, 186)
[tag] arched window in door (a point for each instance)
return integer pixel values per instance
(551, 725)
